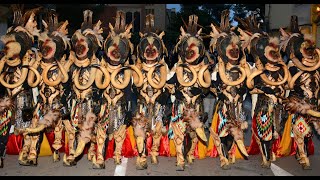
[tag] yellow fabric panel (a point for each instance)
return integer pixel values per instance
(172, 148)
(213, 126)
(132, 138)
(202, 150)
(45, 149)
(238, 153)
(285, 144)
(210, 146)
(66, 139)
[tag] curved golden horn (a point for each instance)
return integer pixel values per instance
(126, 78)
(204, 76)
(137, 75)
(31, 77)
(98, 80)
(249, 81)
(45, 76)
(180, 75)
(163, 77)
(24, 73)
(305, 68)
(272, 83)
(294, 78)
(222, 74)
(242, 147)
(80, 148)
(201, 134)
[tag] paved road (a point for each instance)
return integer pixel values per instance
(166, 167)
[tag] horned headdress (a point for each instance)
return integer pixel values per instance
(117, 46)
(89, 32)
(300, 46)
(56, 33)
(223, 36)
(23, 30)
(254, 38)
(189, 40)
(150, 37)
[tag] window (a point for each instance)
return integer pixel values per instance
(128, 17)
(149, 11)
(136, 22)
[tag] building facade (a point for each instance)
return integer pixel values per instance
(278, 16)
(3, 22)
(138, 12)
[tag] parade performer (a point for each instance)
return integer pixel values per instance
(151, 52)
(304, 67)
(268, 80)
(18, 66)
(229, 88)
(190, 81)
(88, 77)
(53, 43)
(118, 110)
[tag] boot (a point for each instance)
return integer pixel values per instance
(23, 159)
(56, 156)
(1, 162)
(266, 154)
(98, 163)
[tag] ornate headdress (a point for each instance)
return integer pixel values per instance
(90, 33)
(254, 38)
(223, 36)
(55, 33)
(190, 39)
(148, 38)
(117, 46)
(23, 30)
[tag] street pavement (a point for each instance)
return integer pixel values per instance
(286, 166)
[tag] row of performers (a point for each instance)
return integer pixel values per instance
(85, 99)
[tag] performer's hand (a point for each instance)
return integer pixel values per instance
(275, 135)
(267, 90)
(66, 116)
(128, 118)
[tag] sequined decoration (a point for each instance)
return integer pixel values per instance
(116, 118)
(23, 100)
(74, 113)
(4, 121)
(176, 118)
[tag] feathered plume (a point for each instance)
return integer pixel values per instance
(88, 28)
(149, 23)
(25, 22)
(120, 26)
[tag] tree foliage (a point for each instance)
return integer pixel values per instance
(207, 13)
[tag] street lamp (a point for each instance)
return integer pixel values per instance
(315, 18)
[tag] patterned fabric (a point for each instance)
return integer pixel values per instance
(4, 121)
(301, 124)
(75, 113)
(264, 126)
(104, 118)
(176, 118)
(222, 122)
